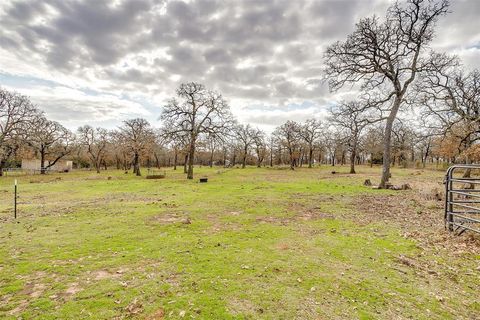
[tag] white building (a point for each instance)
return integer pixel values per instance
(59, 166)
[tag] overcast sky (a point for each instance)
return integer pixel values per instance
(100, 62)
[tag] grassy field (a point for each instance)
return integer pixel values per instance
(249, 244)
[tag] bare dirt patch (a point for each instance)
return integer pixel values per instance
(72, 289)
(241, 307)
(20, 308)
(417, 215)
(157, 315)
(34, 290)
(170, 218)
(104, 274)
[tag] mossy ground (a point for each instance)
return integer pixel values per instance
(249, 244)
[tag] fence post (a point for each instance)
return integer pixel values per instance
(15, 201)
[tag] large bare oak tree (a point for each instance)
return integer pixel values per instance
(385, 57)
(197, 111)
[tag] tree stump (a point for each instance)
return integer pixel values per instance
(367, 183)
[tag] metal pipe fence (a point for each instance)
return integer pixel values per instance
(462, 204)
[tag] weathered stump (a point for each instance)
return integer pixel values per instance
(367, 183)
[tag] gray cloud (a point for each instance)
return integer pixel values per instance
(253, 51)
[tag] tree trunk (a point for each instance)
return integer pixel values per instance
(353, 156)
(387, 143)
(191, 156)
(175, 159)
(42, 161)
(244, 160)
(292, 161)
(185, 163)
(211, 159)
(310, 157)
(97, 166)
(224, 158)
(190, 162)
(2, 165)
(117, 162)
(136, 165)
(157, 162)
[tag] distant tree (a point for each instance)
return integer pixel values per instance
(16, 114)
(177, 141)
(452, 98)
(386, 57)
(95, 141)
(213, 142)
(288, 136)
(245, 136)
(260, 146)
(351, 117)
(335, 140)
(403, 143)
(372, 143)
(199, 111)
(50, 140)
(271, 148)
(310, 133)
(138, 137)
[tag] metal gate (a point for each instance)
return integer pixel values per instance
(462, 199)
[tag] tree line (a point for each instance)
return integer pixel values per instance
(413, 106)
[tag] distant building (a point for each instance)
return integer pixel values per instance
(59, 166)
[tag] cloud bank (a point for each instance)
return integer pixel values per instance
(87, 60)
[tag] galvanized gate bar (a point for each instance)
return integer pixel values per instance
(461, 220)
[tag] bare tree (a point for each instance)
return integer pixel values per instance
(138, 137)
(213, 143)
(351, 117)
(453, 99)
(288, 136)
(310, 133)
(403, 143)
(372, 143)
(388, 56)
(50, 140)
(334, 144)
(95, 141)
(245, 136)
(177, 141)
(16, 114)
(199, 111)
(260, 146)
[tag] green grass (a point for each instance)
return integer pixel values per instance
(89, 247)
